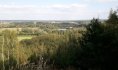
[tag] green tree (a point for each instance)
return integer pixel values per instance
(91, 45)
(113, 17)
(67, 52)
(99, 46)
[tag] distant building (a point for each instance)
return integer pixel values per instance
(69, 27)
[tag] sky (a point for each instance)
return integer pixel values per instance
(55, 9)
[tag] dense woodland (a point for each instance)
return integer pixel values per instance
(94, 47)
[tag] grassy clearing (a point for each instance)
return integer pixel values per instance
(20, 37)
(24, 37)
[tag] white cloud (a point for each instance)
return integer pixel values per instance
(104, 1)
(68, 6)
(101, 1)
(56, 11)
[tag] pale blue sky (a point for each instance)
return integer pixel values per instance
(55, 9)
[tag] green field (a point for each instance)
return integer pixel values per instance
(24, 37)
(21, 37)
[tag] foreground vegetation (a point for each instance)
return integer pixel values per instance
(94, 48)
